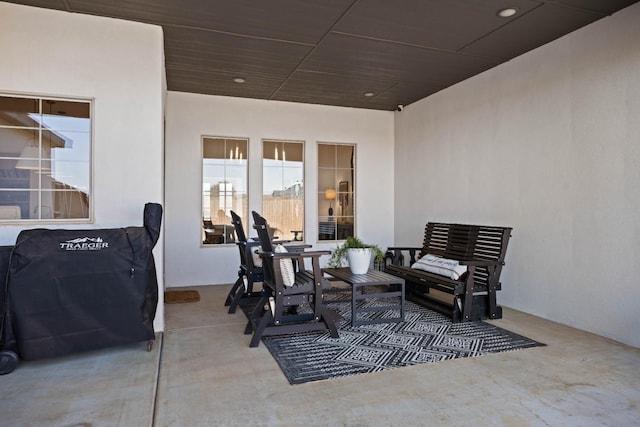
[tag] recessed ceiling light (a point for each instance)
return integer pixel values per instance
(239, 80)
(369, 94)
(508, 12)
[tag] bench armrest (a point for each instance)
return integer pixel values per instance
(398, 258)
(480, 262)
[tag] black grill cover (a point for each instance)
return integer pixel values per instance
(5, 256)
(79, 290)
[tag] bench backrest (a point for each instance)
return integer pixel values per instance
(469, 242)
(466, 242)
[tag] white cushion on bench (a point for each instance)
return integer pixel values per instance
(442, 266)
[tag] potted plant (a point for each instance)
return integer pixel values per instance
(357, 253)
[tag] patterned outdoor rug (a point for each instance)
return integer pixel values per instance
(424, 337)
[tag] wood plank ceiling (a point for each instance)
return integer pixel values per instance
(333, 52)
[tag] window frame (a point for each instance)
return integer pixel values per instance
(41, 99)
(341, 223)
(245, 214)
(298, 235)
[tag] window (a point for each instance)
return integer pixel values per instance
(45, 159)
(283, 188)
(224, 187)
(336, 189)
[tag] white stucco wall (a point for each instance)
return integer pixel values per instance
(120, 65)
(548, 143)
(189, 116)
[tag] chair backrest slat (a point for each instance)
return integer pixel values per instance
(261, 226)
(242, 239)
(237, 224)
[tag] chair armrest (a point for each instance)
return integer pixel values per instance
(297, 247)
(301, 254)
(274, 240)
(256, 244)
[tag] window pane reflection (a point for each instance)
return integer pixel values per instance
(64, 202)
(224, 188)
(18, 111)
(283, 188)
(45, 150)
(336, 171)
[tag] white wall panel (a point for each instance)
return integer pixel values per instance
(120, 65)
(548, 143)
(189, 116)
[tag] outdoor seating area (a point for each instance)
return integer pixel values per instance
(462, 260)
(289, 285)
(249, 272)
(465, 262)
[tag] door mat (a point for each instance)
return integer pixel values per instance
(175, 297)
(424, 337)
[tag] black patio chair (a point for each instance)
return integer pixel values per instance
(291, 286)
(249, 273)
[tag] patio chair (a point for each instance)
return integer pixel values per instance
(250, 270)
(290, 285)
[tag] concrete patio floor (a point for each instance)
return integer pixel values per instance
(201, 372)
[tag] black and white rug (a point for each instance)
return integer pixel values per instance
(424, 337)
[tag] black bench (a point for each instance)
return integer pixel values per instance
(480, 248)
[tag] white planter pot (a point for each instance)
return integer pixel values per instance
(359, 260)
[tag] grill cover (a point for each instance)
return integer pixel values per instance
(78, 290)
